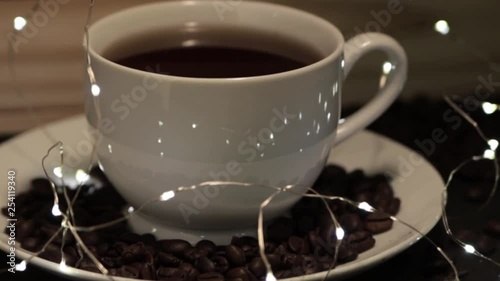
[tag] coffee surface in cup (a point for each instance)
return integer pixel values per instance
(214, 52)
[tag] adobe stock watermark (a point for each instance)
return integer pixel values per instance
(249, 148)
(485, 87)
(121, 106)
(25, 31)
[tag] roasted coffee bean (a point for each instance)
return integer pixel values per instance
(347, 254)
(52, 253)
(221, 263)
(25, 229)
(240, 274)
(298, 245)
(274, 260)
(485, 245)
(134, 252)
(355, 177)
(204, 264)
(313, 239)
(102, 249)
(280, 229)
(282, 248)
(250, 251)
(210, 276)
(94, 252)
(257, 267)
(137, 265)
(361, 241)
(270, 247)
(113, 253)
(325, 265)
(377, 223)
(174, 246)
(328, 235)
(119, 247)
(192, 254)
(309, 265)
(493, 227)
(283, 274)
(32, 244)
(363, 186)
(384, 189)
(125, 271)
(147, 272)
(206, 245)
(90, 238)
(168, 260)
(171, 272)
(112, 262)
(235, 255)
(381, 201)
(351, 222)
(220, 251)
(191, 271)
(363, 197)
(88, 265)
(393, 207)
(290, 260)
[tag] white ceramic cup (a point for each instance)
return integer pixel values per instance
(161, 132)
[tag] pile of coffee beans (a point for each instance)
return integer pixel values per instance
(299, 244)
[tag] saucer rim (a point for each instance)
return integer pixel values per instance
(341, 271)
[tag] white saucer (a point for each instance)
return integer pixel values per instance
(416, 182)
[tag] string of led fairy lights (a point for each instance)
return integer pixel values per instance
(68, 219)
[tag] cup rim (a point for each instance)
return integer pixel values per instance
(335, 33)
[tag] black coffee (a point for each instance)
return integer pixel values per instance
(213, 53)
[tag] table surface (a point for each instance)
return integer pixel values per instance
(409, 123)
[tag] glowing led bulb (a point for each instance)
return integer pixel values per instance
(20, 23)
(56, 211)
(63, 266)
(365, 206)
(442, 27)
(58, 172)
(340, 233)
(21, 266)
(95, 89)
(489, 154)
(387, 67)
(493, 144)
(167, 195)
(489, 108)
(270, 277)
(469, 249)
(81, 175)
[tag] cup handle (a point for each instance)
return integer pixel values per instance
(354, 49)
